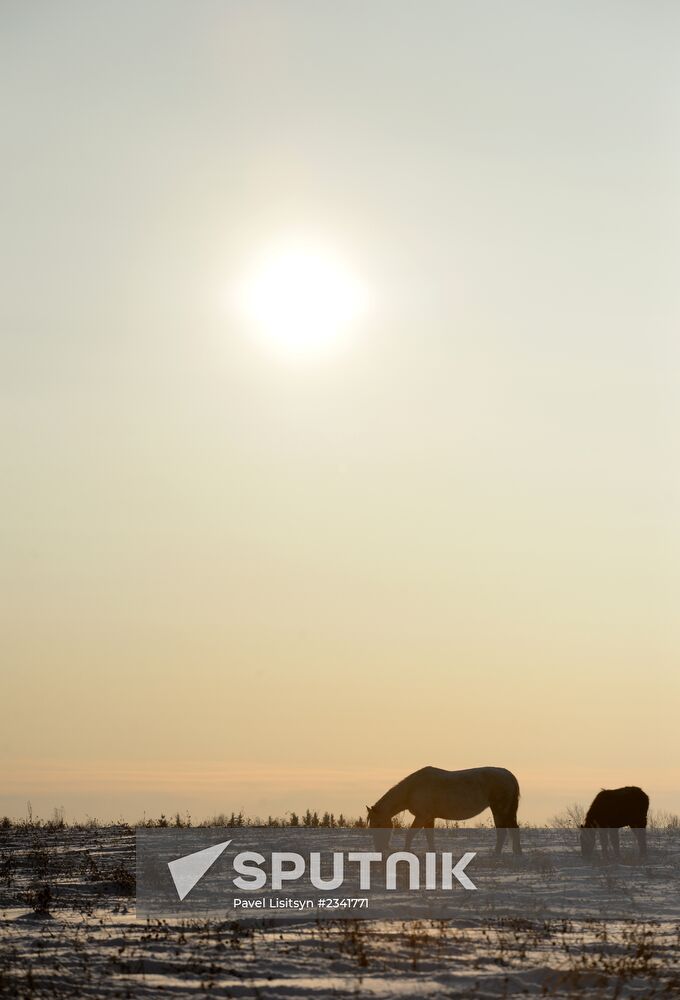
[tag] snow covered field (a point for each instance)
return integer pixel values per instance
(69, 929)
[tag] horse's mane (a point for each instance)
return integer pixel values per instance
(394, 790)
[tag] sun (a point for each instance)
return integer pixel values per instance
(302, 299)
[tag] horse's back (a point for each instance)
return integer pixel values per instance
(488, 777)
(616, 807)
(490, 773)
(461, 794)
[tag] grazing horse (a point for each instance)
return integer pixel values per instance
(432, 793)
(611, 809)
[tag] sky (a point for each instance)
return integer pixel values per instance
(232, 579)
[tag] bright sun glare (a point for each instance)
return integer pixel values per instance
(302, 299)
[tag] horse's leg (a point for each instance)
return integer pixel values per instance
(604, 843)
(614, 841)
(506, 819)
(641, 837)
(429, 832)
(417, 823)
(513, 827)
(501, 831)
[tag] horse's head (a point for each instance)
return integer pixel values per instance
(587, 841)
(381, 825)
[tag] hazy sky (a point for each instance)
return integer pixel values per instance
(232, 581)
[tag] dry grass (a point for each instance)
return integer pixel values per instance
(67, 930)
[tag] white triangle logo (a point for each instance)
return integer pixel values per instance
(190, 869)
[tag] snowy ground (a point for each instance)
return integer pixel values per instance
(69, 929)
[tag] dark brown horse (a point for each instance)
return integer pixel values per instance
(611, 809)
(432, 793)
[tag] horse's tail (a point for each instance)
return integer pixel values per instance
(514, 804)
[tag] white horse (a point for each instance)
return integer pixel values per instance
(432, 793)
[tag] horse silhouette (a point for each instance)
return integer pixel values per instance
(432, 793)
(611, 809)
